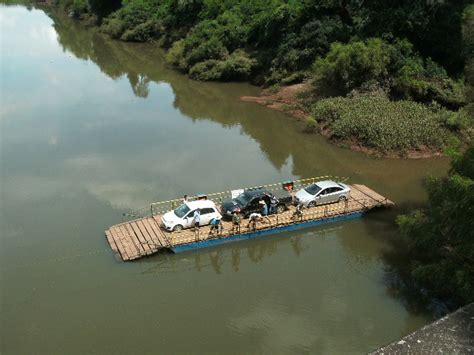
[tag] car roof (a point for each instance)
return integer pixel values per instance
(327, 183)
(256, 192)
(200, 204)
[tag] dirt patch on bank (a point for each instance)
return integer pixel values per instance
(285, 99)
(295, 100)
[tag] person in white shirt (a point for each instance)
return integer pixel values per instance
(196, 221)
(197, 218)
(253, 219)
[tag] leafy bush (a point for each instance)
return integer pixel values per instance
(206, 71)
(113, 26)
(468, 39)
(175, 55)
(129, 17)
(439, 239)
(143, 32)
(425, 81)
(238, 66)
(210, 49)
(379, 123)
(76, 8)
(456, 120)
(468, 31)
(392, 65)
(348, 66)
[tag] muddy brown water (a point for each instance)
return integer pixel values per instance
(90, 128)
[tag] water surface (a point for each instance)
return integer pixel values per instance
(90, 128)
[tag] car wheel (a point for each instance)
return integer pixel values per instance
(177, 228)
(312, 204)
(280, 209)
(342, 199)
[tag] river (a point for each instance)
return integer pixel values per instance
(92, 127)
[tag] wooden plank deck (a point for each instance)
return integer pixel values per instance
(144, 236)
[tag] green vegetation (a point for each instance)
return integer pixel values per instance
(468, 36)
(439, 240)
(88, 11)
(79, 9)
(284, 37)
(384, 125)
(403, 70)
(392, 66)
(237, 66)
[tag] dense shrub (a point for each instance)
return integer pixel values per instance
(238, 66)
(210, 49)
(379, 123)
(394, 66)
(208, 70)
(432, 26)
(129, 17)
(439, 239)
(468, 39)
(468, 31)
(456, 120)
(76, 8)
(139, 18)
(103, 8)
(285, 38)
(425, 81)
(297, 50)
(113, 26)
(143, 32)
(348, 66)
(175, 55)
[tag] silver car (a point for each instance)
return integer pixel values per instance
(322, 192)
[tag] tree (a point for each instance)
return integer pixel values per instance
(103, 8)
(440, 238)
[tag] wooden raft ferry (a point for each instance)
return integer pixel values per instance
(144, 236)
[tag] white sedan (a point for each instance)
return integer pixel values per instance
(322, 192)
(182, 217)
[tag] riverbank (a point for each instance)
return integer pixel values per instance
(296, 100)
(284, 99)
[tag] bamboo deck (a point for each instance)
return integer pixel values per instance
(141, 237)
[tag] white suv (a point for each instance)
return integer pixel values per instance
(182, 217)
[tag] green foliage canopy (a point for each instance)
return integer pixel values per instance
(394, 66)
(439, 239)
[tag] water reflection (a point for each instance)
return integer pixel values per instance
(228, 258)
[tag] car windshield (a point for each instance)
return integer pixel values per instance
(181, 210)
(313, 189)
(243, 199)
